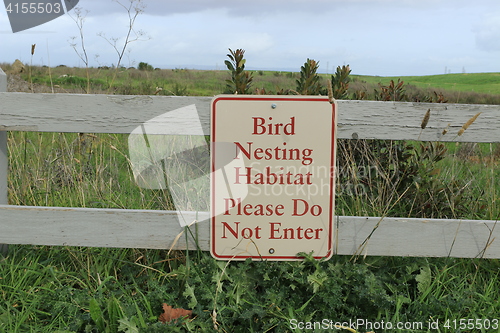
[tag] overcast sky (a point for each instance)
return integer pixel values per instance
(375, 37)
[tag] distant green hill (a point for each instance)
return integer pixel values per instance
(488, 83)
(474, 88)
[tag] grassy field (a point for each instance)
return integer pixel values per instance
(70, 289)
(488, 83)
(480, 88)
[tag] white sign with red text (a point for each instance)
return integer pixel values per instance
(272, 177)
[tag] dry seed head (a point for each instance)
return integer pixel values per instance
(446, 129)
(330, 92)
(33, 49)
(425, 121)
(468, 123)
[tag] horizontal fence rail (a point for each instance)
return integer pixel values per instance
(161, 229)
(356, 120)
(153, 229)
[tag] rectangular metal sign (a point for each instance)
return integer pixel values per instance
(272, 177)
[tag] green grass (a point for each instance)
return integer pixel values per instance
(174, 82)
(49, 289)
(72, 170)
(483, 88)
(488, 83)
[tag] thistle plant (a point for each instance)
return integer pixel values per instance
(308, 83)
(395, 92)
(241, 80)
(340, 82)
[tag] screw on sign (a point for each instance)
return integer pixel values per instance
(281, 153)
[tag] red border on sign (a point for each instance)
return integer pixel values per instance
(329, 252)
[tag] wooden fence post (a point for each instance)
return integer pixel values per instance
(4, 162)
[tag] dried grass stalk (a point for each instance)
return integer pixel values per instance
(425, 121)
(330, 91)
(446, 129)
(468, 123)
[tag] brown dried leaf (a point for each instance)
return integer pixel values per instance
(169, 313)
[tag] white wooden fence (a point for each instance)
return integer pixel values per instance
(159, 229)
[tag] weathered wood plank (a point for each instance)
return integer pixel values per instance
(418, 237)
(159, 230)
(98, 113)
(357, 119)
(402, 121)
(18, 128)
(98, 227)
